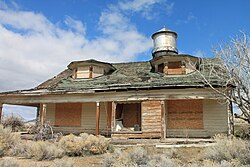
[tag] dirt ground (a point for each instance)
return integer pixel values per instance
(185, 154)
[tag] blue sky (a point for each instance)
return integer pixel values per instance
(38, 39)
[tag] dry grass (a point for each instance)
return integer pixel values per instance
(83, 144)
(9, 162)
(7, 139)
(227, 149)
(138, 156)
(14, 122)
(64, 162)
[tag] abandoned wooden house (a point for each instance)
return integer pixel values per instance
(160, 98)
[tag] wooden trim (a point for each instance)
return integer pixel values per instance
(163, 94)
(163, 122)
(97, 118)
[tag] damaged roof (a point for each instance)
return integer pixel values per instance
(127, 76)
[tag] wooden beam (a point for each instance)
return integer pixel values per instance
(38, 113)
(1, 110)
(163, 122)
(111, 96)
(113, 116)
(43, 113)
(97, 118)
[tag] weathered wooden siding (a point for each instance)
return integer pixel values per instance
(150, 122)
(151, 116)
(215, 117)
(50, 114)
(214, 121)
(87, 118)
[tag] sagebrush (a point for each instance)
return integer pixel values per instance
(227, 149)
(83, 144)
(7, 139)
(16, 123)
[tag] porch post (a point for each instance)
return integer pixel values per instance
(113, 117)
(43, 114)
(38, 115)
(1, 110)
(163, 123)
(97, 118)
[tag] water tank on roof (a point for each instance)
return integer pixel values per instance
(164, 42)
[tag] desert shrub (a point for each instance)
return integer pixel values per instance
(39, 150)
(119, 158)
(44, 150)
(14, 122)
(64, 162)
(9, 162)
(228, 148)
(21, 149)
(83, 144)
(162, 161)
(243, 132)
(210, 163)
(44, 132)
(138, 156)
(7, 139)
(96, 144)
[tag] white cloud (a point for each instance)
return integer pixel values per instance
(75, 25)
(190, 17)
(147, 7)
(199, 53)
(32, 48)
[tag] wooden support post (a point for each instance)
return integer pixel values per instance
(230, 119)
(113, 117)
(43, 114)
(38, 115)
(163, 122)
(1, 112)
(97, 118)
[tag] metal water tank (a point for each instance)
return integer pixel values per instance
(164, 42)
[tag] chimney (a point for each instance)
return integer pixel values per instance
(164, 42)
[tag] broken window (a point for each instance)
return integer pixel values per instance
(128, 117)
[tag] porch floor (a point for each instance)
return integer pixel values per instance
(168, 143)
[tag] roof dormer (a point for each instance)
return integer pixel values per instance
(89, 69)
(165, 55)
(173, 64)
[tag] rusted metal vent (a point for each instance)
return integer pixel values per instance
(164, 42)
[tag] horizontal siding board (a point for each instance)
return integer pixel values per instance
(151, 116)
(215, 117)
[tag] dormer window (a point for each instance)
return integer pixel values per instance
(89, 69)
(173, 64)
(176, 68)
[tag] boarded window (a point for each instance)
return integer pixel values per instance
(184, 114)
(68, 114)
(175, 68)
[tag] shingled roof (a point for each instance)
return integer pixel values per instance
(127, 76)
